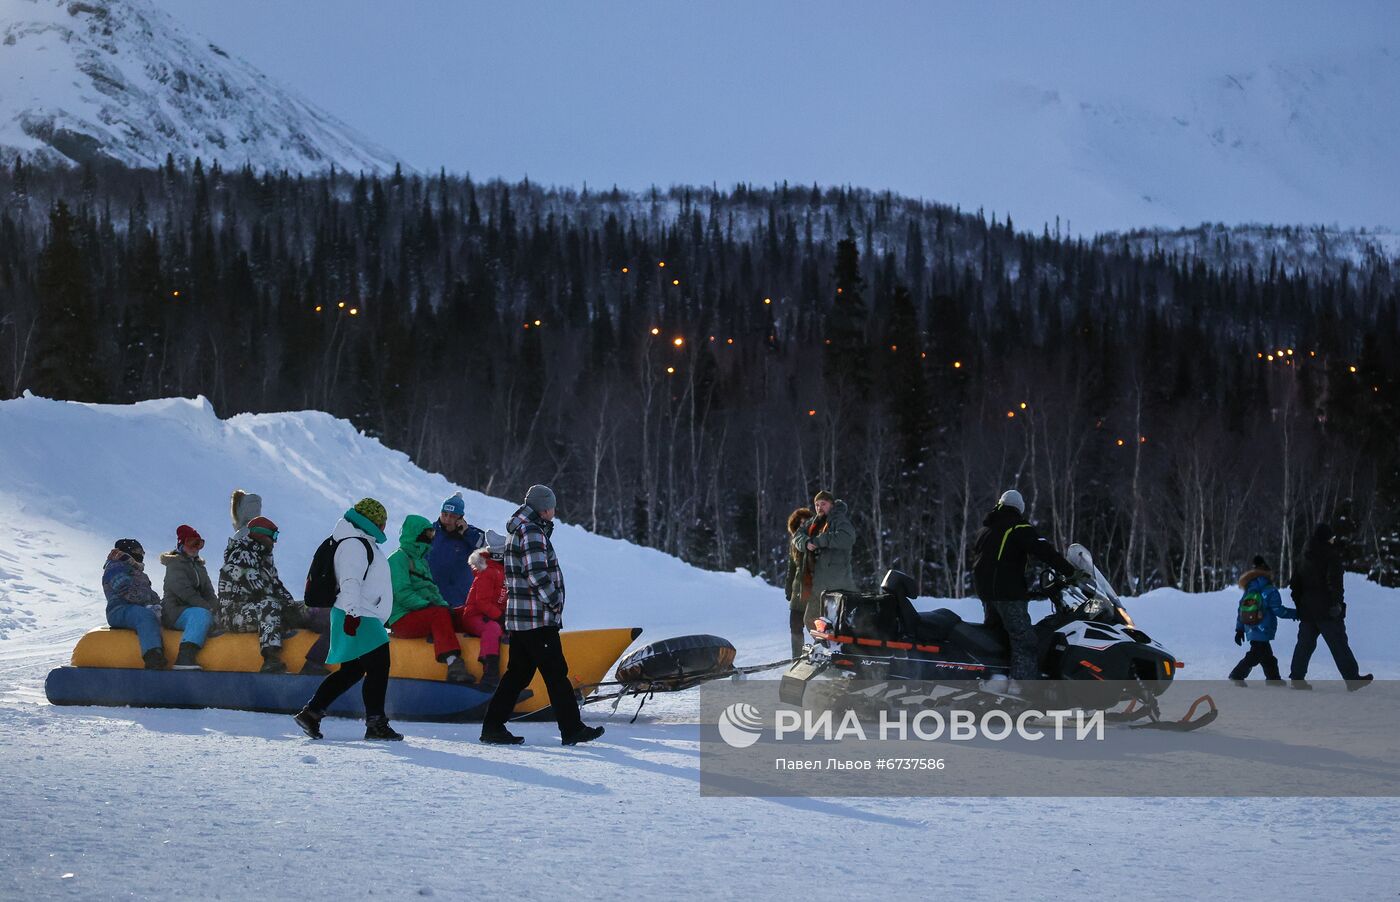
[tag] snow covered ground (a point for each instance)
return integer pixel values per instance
(218, 804)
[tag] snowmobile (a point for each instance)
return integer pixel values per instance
(879, 638)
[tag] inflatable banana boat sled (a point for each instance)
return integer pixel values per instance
(107, 670)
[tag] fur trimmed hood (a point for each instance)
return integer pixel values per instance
(1254, 573)
(479, 558)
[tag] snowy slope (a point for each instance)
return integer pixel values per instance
(220, 804)
(120, 79)
(77, 476)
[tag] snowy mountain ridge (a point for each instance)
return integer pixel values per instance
(120, 80)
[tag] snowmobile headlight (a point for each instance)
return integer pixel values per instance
(1093, 607)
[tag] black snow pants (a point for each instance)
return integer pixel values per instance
(373, 666)
(1259, 653)
(530, 651)
(1334, 632)
(1014, 619)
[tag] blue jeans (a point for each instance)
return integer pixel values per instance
(194, 621)
(136, 617)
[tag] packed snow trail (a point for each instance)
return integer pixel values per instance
(222, 804)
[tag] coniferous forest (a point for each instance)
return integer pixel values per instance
(687, 366)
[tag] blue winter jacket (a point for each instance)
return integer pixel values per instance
(123, 582)
(1274, 608)
(447, 559)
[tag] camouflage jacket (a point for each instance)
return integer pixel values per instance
(248, 574)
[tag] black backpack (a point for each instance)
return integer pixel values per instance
(322, 588)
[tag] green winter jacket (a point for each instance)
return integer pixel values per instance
(414, 588)
(829, 567)
(187, 585)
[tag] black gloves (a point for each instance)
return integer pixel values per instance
(1239, 637)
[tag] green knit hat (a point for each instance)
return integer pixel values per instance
(372, 511)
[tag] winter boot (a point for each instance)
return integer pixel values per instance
(377, 727)
(309, 719)
(185, 660)
(582, 734)
(490, 671)
(272, 661)
(457, 672)
(1299, 684)
(1360, 682)
(155, 659)
(314, 668)
(500, 736)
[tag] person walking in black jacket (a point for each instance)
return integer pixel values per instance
(1318, 596)
(999, 555)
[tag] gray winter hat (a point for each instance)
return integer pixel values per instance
(495, 543)
(243, 507)
(1012, 498)
(540, 497)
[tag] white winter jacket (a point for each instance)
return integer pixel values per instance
(361, 594)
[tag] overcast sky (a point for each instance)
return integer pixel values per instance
(871, 94)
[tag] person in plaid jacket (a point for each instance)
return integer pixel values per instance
(534, 614)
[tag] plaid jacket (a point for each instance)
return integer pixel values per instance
(534, 585)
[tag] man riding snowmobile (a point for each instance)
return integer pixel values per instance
(999, 554)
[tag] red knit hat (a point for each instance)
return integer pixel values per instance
(186, 534)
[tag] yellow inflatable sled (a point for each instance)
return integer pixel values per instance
(107, 670)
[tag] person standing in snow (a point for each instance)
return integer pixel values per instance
(1322, 611)
(1257, 620)
(486, 605)
(823, 544)
(359, 643)
(188, 597)
(796, 603)
(449, 557)
(419, 609)
(132, 604)
(534, 616)
(252, 598)
(1000, 551)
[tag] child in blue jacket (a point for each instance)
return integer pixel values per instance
(1259, 593)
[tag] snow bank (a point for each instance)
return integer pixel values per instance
(78, 476)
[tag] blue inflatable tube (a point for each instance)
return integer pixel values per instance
(422, 700)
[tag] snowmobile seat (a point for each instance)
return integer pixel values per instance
(935, 626)
(983, 641)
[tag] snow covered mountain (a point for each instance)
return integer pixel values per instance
(88, 80)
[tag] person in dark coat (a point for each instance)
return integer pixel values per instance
(823, 544)
(1319, 597)
(1259, 581)
(792, 586)
(449, 558)
(1000, 551)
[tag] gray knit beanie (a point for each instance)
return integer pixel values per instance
(540, 497)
